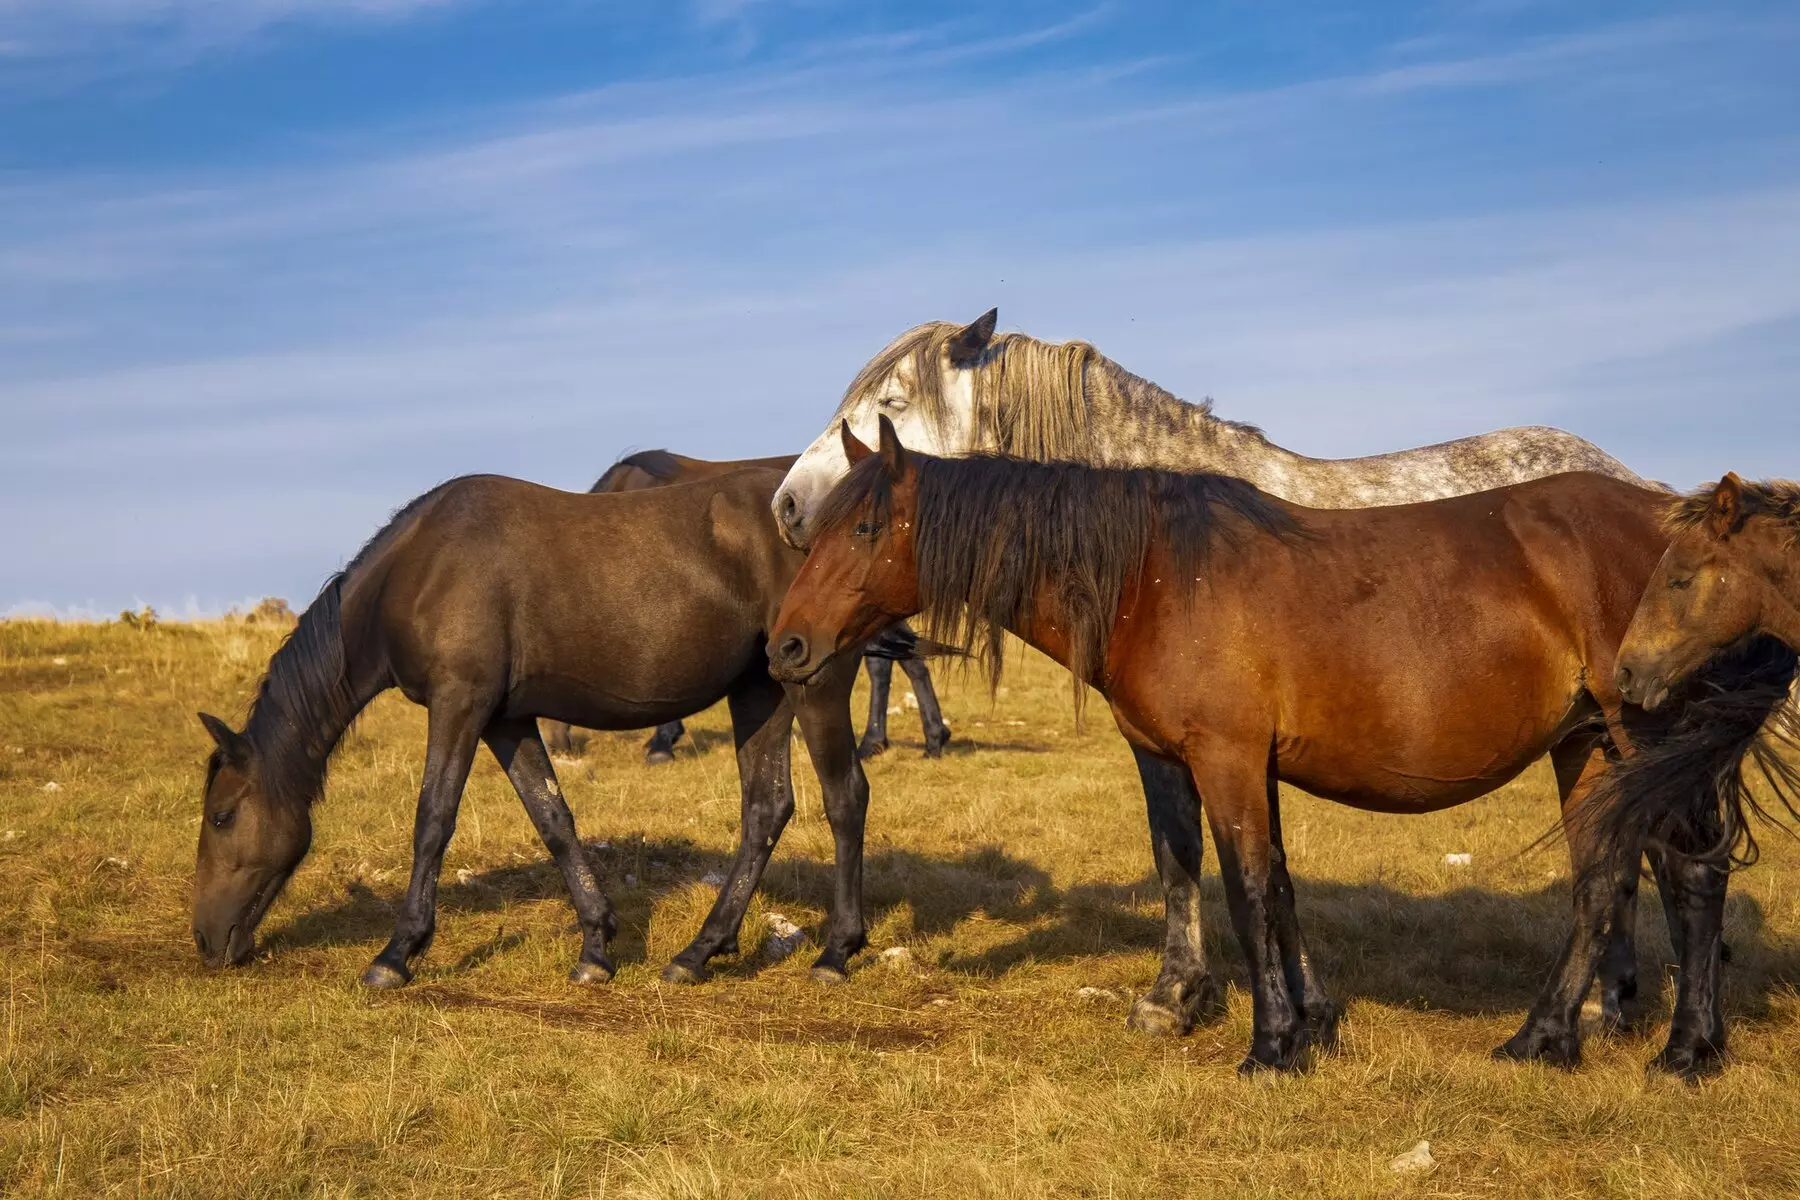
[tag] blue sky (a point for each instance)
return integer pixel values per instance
(269, 268)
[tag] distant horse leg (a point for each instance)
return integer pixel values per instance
(881, 682)
(455, 728)
(661, 746)
(931, 717)
(1233, 789)
(1184, 991)
(559, 737)
(1696, 1043)
(823, 708)
(1604, 882)
(1618, 969)
(1319, 1010)
(761, 723)
(521, 755)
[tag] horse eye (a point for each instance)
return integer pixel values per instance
(1682, 584)
(894, 403)
(222, 818)
(868, 529)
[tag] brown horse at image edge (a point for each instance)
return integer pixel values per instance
(1400, 659)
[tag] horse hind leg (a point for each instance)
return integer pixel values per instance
(455, 725)
(521, 754)
(660, 748)
(881, 683)
(931, 715)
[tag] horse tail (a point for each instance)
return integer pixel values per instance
(659, 465)
(1688, 787)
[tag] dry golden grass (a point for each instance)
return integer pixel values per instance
(1015, 871)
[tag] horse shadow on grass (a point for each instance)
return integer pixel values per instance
(1467, 951)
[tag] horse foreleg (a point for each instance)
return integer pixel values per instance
(1184, 991)
(761, 724)
(1233, 786)
(1317, 1008)
(1605, 881)
(823, 708)
(455, 727)
(521, 755)
(1697, 1028)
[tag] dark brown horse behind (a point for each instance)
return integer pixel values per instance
(1397, 659)
(494, 602)
(659, 468)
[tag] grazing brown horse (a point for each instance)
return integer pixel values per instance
(1398, 659)
(1732, 572)
(658, 468)
(494, 602)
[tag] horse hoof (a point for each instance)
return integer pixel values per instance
(1534, 1045)
(869, 750)
(679, 973)
(380, 975)
(1692, 1064)
(829, 975)
(588, 972)
(935, 747)
(656, 758)
(1322, 1031)
(1157, 1020)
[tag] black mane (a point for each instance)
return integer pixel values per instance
(993, 531)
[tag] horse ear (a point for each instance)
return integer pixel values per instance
(854, 450)
(231, 743)
(893, 454)
(1726, 515)
(967, 343)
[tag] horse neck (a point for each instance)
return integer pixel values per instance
(1781, 618)
(318, 682)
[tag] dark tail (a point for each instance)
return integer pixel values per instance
(900, 643)
(1688, 788)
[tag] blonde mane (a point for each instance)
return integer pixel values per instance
(1033, 399)
(1777, 499)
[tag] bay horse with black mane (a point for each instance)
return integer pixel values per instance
(494, 602)
(659, 468)
(1400, 659)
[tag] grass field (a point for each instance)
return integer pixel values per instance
(1015, 872)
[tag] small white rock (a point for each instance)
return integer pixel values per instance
(53, 786)
(785, 937)
(631, 881)
(897, 956)
(1461, 859)
(940, 1002)
(463, 874)
(1417, 1159)
(895, 710)
(9, 835)
(117, 864)
(909, 701)
(713, 879)
(1092, 994)
(59, 661)
(603, 845)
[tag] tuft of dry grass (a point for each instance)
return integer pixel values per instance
(1015, 872)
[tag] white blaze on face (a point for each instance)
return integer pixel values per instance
(819, 469)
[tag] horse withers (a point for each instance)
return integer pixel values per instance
(1400, 659)
(659, 468)
(494, 602)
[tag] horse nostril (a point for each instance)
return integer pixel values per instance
(790, 508)
(1623, 676)
(793, 649)
(200, 943)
